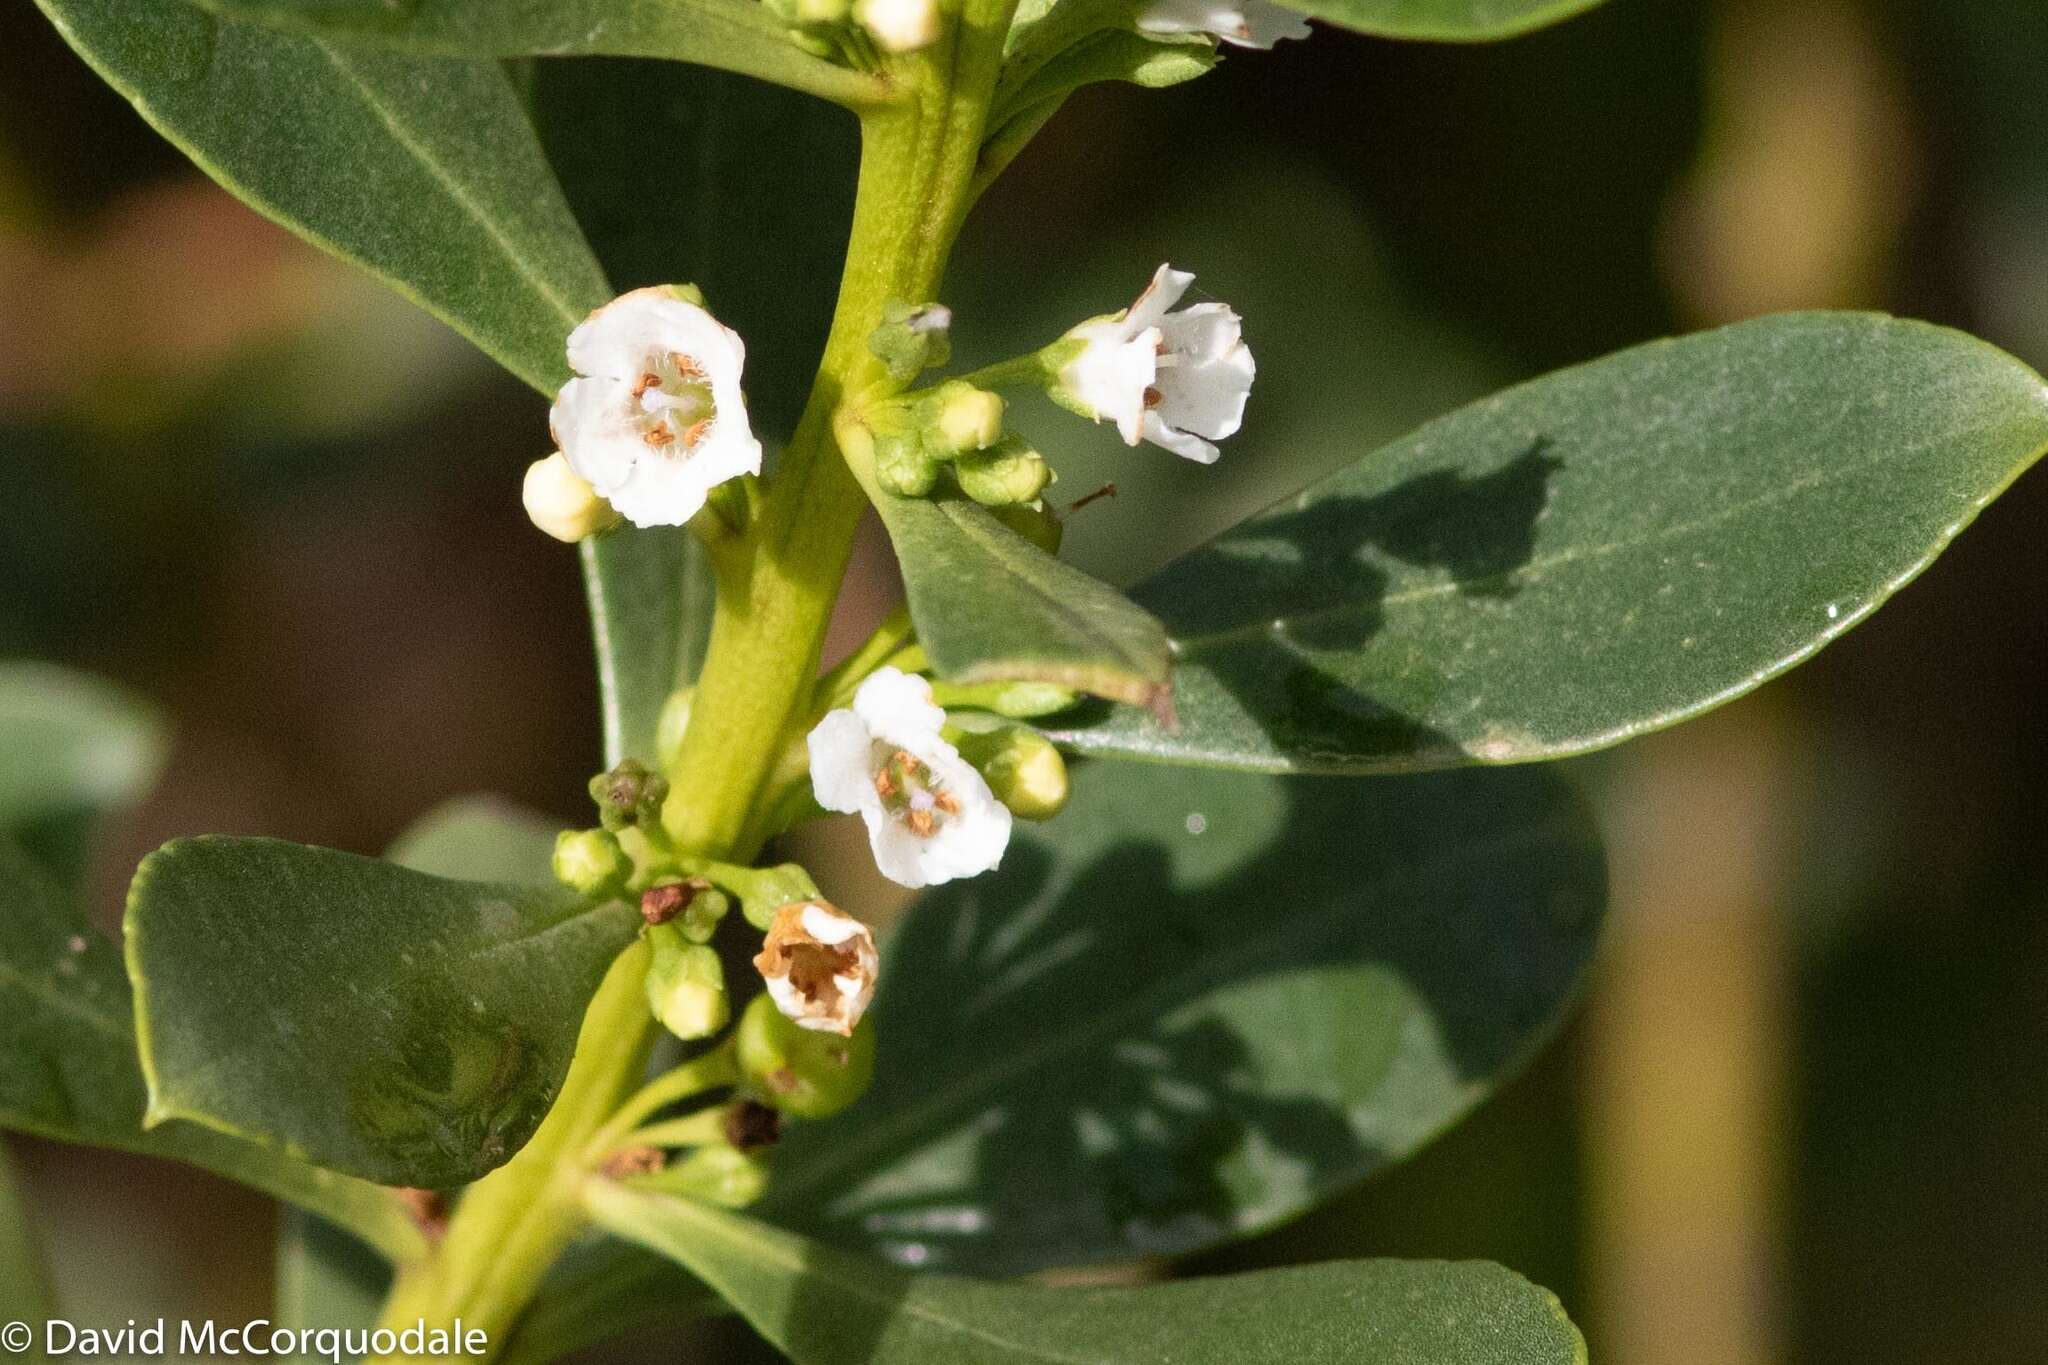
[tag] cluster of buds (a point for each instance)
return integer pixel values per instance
(957, 428)
(831, 28)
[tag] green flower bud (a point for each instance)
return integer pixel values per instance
(765, 890)
(960, 418)
(913, 338)
(685, 984)
(669, 730)
(903, 466)
(688, 293)
(1008, 472)
(1022, 768)
(800, 1071)
(590, 862)
(628, 795)
(1032, 520)
(716, 1174)
(1017, 700)
(699, 920)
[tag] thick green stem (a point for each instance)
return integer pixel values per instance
(775, 594)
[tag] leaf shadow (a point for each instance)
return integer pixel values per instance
(1113, 1061)
(1329, 560)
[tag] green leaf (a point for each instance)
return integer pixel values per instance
(1196, 1005)
(401, 1027)
(1110, 54)
(74, 744)
(826, 1307)
(76, 747)
(325, 1280)
(738, 35)
(1449, 21)
(68, 1064)
(479, 839)
(989, 606)
(651, 594)
(600, 1290)
(423, 170)
(25, 1294)
(1603, 552)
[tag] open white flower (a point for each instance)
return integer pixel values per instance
(1173, 379)
(657, 419)
(929, 814)
(1247, 23)
(819, 964)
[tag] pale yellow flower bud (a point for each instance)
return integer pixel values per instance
(560, 502)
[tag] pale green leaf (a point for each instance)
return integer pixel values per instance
(68, 1064)
(405, 1028)
(1599, 553)
(826, 1307)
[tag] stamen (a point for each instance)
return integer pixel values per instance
(696, 433)
(946, 802)
(648, 380)
(659, 436)
(885, 786)
(1153, 398)
(686, 366)
(920, 823)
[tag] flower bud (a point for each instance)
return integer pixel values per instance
(820, 965)
(1022, 768)
(628, 795)
(810, 1075)
(716, 1174)
(590, 861)
(561, 503)
(1017, 700)
(822, 11)
(900, 25)
(903, 466)
(1034, 521)
(699, 920)
(1008, 472)
(685, 984)
(767, 889)
(961, 418)
(913, 338)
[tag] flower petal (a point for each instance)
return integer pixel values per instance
(1165, 290)
(1179, 442)
(840, 745)
(897, 708)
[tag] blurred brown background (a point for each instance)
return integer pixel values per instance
(1801, 1117)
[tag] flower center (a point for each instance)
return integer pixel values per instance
(675, 406)
(910, 792)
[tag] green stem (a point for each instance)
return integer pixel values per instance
(777, 584)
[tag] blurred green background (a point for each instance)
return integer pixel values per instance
(1801, 1115)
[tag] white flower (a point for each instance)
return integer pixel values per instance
(1247, 23)
(560, 502)
(819, 964)
(657, 419)
(1168, 378)
(930, 816)
(900, 25)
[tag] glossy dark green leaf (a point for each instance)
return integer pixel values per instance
(24, 1280)
(68, 1064)
(1195, 1005)
(1605, 551)
(651, 596)
(479, 839)
(326, 1281)
(739, 35)
(1450, 21)
(423, 170)
(405, 1028)
(826, 1307)
(990, 605)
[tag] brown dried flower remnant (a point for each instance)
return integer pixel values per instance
(820, 964)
